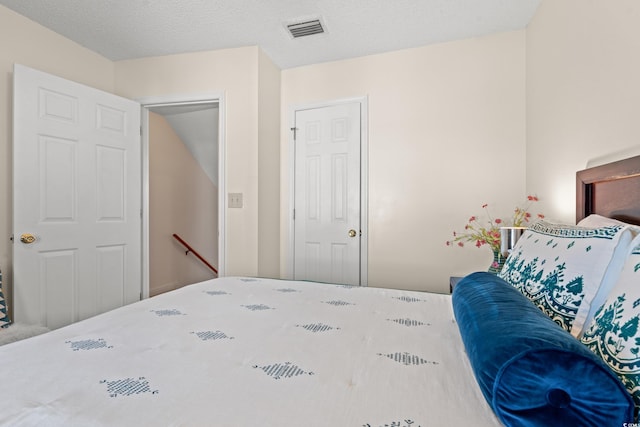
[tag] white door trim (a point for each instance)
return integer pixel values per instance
(364, 182)
(152, 101)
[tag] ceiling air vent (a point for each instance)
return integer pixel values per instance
(306, 28)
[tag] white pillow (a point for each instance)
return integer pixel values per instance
(611, 275)
(614, 333)
(595, 221)
(560, 268)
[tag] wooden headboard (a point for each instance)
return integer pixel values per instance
(611, 190)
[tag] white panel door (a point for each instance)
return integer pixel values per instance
(77, 191)
(327, 194)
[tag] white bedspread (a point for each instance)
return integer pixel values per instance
(250, 352)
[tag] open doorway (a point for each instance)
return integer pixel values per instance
(184, 227)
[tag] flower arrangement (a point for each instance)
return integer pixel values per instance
(488, 233)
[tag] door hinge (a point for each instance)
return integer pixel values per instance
(295, 131)
(294, 214)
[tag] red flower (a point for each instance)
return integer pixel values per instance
(488, 233)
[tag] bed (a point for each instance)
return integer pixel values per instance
(242, 351)
(249, 352)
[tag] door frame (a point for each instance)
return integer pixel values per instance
(364, 182)
(156, 101)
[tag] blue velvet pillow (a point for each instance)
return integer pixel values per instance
(530, 370)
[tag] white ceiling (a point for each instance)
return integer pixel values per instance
(128, 29)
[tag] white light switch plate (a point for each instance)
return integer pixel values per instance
(235, 200)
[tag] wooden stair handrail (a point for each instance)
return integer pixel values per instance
(190, 249)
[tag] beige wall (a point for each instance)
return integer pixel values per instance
(446, 135)
(268, 163)
(583, 93)
(25, 42)
(451, 126)
(182, 200)
(236, 73)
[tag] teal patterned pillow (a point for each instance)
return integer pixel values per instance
(614, 334)
(4, 316)
(561, 267)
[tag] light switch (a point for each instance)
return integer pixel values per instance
(235, 200)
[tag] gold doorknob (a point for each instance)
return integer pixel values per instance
(27, 238)
(352, 233)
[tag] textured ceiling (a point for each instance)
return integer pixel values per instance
(128, 29)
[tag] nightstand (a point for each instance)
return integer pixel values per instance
(453, 281)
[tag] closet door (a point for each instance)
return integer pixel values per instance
(327, 222)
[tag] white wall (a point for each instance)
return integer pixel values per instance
(25, 42)
(446, 135)
(583, 93)
(237, 73)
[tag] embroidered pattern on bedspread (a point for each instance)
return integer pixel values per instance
(88, 344)
(316, 327)
(403, 423)
(217, 293)
(408, 299)
(211, 335)
(409, 322)
(128, 387)
(282, 370)
(338, 303)
(168, 312)
(408, 359)
(257, 307)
